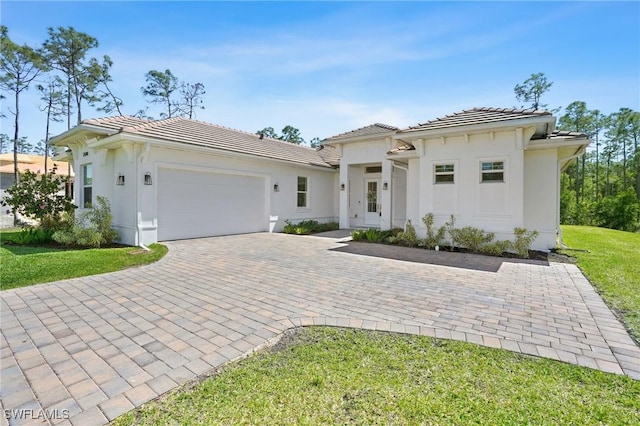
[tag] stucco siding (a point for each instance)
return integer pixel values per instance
(541, 197)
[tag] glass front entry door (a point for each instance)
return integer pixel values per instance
(372, 202)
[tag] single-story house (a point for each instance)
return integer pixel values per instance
(33, 163)
(495, 169)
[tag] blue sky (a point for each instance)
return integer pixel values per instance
(329, 67)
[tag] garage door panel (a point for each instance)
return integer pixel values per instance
(195, 204)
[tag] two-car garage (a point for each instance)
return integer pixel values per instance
(196, 203)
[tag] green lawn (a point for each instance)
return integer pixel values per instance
(342, 376)
(25, 265)
(612, 266)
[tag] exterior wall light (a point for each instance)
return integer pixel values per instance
(342, 187)
(385, 185)
(120, 180)
(276, 188)
(147, 179)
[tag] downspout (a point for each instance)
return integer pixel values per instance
(138, 162)
(577, 154)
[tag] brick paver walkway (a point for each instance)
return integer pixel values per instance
(96, 347)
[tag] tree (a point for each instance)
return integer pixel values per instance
(532, 90)
(66, 50)
(19, 65)
(4, 143)
(52, 94)
(191, 98)
(268, 132)
(105, 94)
(38, 197)
(159, 88)
(291, 134)
(315, 142)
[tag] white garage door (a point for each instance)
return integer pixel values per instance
(195, 204)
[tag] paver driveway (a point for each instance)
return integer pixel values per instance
(95, 347)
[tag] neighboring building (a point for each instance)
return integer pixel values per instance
(33, 163)
(494, 169)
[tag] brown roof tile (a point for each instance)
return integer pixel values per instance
(475, 116)
(373, 129)
(198, 133)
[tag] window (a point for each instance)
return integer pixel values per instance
(492, 171)
(444, 173)
(303, 188)
(87, 185)
(373, 169)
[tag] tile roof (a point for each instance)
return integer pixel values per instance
(565, 133)
(198, 133)
(372, 129)
(475, 116)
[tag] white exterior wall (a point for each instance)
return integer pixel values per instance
(493, 206)
(134, 205)
(541, 195)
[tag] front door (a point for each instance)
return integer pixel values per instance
(372, 200)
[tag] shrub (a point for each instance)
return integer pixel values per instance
(496, 248)
(359, 235)
(450, 227)
(91, 229)
(32, 236)
(408, 238)
(473, 238)
(37, 197)
(434, 237)
(310, 226)
(523, 240)
(375, 235)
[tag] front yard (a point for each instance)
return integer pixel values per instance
(612, 265)
(27, 265)
(342, 376)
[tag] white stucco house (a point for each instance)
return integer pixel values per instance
(494, 169)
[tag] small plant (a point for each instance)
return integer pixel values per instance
(32, 236)
(408, 238)
(310, 226)
(375, 235)
(91, 229)
(450, 227)
(358, 235)
(496, 248)
(434, 237)
(473, 238)
(523, 240)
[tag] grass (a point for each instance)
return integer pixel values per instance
(612, 266)
(27, 265)
(341, 376)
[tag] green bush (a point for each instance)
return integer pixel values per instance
(91, 229)
(32, 236)
(473, 238)
(407, 238)
(496, 248)
(37, 197)
(375, 235)
(434, 237)
(450, 227)
(523, 240)
(310, 226)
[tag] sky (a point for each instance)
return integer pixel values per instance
(330, 67)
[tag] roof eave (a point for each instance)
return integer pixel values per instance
(359, 138)
(410, 134)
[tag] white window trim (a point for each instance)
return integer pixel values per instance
(307, 192)
(436, 173)
(504, 170)
(83, 167)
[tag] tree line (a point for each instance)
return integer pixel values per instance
(602, 187)
(68, 79)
